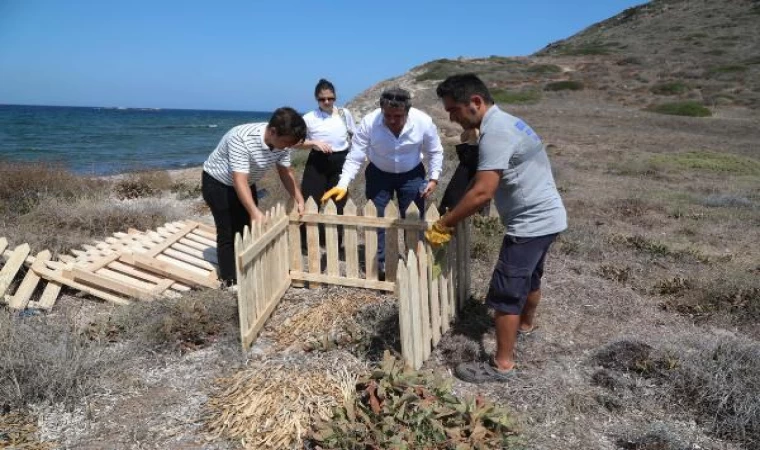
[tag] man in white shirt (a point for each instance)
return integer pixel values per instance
(230, 174)
(394, 138)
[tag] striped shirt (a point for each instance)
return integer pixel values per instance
(243, 150)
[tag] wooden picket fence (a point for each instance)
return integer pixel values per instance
(432, 287)
(270, 258)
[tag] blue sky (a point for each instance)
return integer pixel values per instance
(251, 55)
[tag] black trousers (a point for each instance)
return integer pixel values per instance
(463, 176)
(230, 217)
(322, 172)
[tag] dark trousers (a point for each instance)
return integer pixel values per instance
(381, 186)
(230, 217)
(463, 176)
(321, 173)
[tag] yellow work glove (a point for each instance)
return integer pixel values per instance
(337, 192)
(438, 234)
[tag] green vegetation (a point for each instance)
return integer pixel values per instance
(709, 161)
(544, 68)
(687, 108)
(568, 85)
(716, 52)
(588, 49)
(393, 409)
(670, 88)
(732, 68)
(142, 184)
(440, 69)
(516, 97)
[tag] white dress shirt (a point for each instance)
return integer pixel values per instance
(392, 154)
(329, 128)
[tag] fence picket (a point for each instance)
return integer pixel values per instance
(411, 237)
(404, 314)
(242, 294)
(294, 244)
(370, 244)
(391, 244)
(424, 300)
(350, 242)
(312, 243)
(432, 215)
(331, 240)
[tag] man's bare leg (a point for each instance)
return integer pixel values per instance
(529, 311)
(506, 337)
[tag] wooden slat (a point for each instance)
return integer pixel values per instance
(391, 244)
(312, 243)
(171, 240)
(24, 292)
(107, 283)
(147, 276)
(169, 270)
(49, 295)
(415, 309)
(183, 265)
(58, 277)
(242, 293)
(294, 238)
(11, 267)
(468, 249)
(343, 281)
(331, 240)
(200, 239)
(422, 260)
(3, 244)
(184, 257)
(404, 314)
(431, 216)
(206, 230)
(443, 294)
(126, 279)
(350, 241)
(103, 262)
(375, 222)
(255, 328)
(370, 243)
(265, 239)
(196, 245)
(411, 237)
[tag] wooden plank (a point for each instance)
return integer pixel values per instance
(162, 287)
(343, 281)
(11, 267)
(58, 277)
(451, 289)
(461, 261)
(265, 239)
(24, 292)
(197, 245)
(242, 294)
(169, 270)
(391, 244)
(171, 240)
(206, 230)
(375, 222)
(415, 309)
(422, 260)
(254, 330)
(147, 276)
(431, 216)
(126, 279)
(350, 240)
(312, 243)
(184, 257)
(294, 241)
(411, 237)
(3, 244)
(370, 243)
(468, 249)
(103, 262)
(49, 295)
(183, 265)
(260, 280)
(200, 239)
(107, 283)
(331, 240)
(443, 290)
(404, 315)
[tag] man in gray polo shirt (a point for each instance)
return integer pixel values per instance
(514, 169)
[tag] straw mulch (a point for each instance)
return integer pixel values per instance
(272, 405)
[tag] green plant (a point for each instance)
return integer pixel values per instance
(394, 409)
(186, 191)
(142, 184)
(670, 88)
(732, 68)
(686, 108)
(568, 85)
(587, 49)
(709, 161)
(515, 97)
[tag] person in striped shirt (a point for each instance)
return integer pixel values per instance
(242, 157)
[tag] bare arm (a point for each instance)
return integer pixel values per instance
(483, 189)
(243, 191)
(288, 179)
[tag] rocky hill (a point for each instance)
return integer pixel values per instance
(703, 51)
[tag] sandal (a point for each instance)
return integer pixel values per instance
(524, 334)
(482, 372)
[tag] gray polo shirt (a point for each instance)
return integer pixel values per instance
(527, 198)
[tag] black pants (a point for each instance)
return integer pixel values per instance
(322, 172)
(462, 178)
(230, 217)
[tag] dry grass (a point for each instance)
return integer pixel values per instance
(143, 184)
(273, 404)
(44, 360)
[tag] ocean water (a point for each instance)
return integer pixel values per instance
(99, 141)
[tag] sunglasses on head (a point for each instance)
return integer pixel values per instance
(395, 97)
(326, 99)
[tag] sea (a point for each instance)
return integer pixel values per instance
(106, 141)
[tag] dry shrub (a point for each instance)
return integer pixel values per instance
(734, 292)
(19, 431)
(186, 191)
(24, 185)
(60, 225)
(272, 405)
(194, 321)
(615, 273)
(721, 382)
(657, 437)
(143, 184)
(43, 360)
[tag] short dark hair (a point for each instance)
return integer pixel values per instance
(463, 86)
(288, 122)
(323, 84)
(396, 97)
